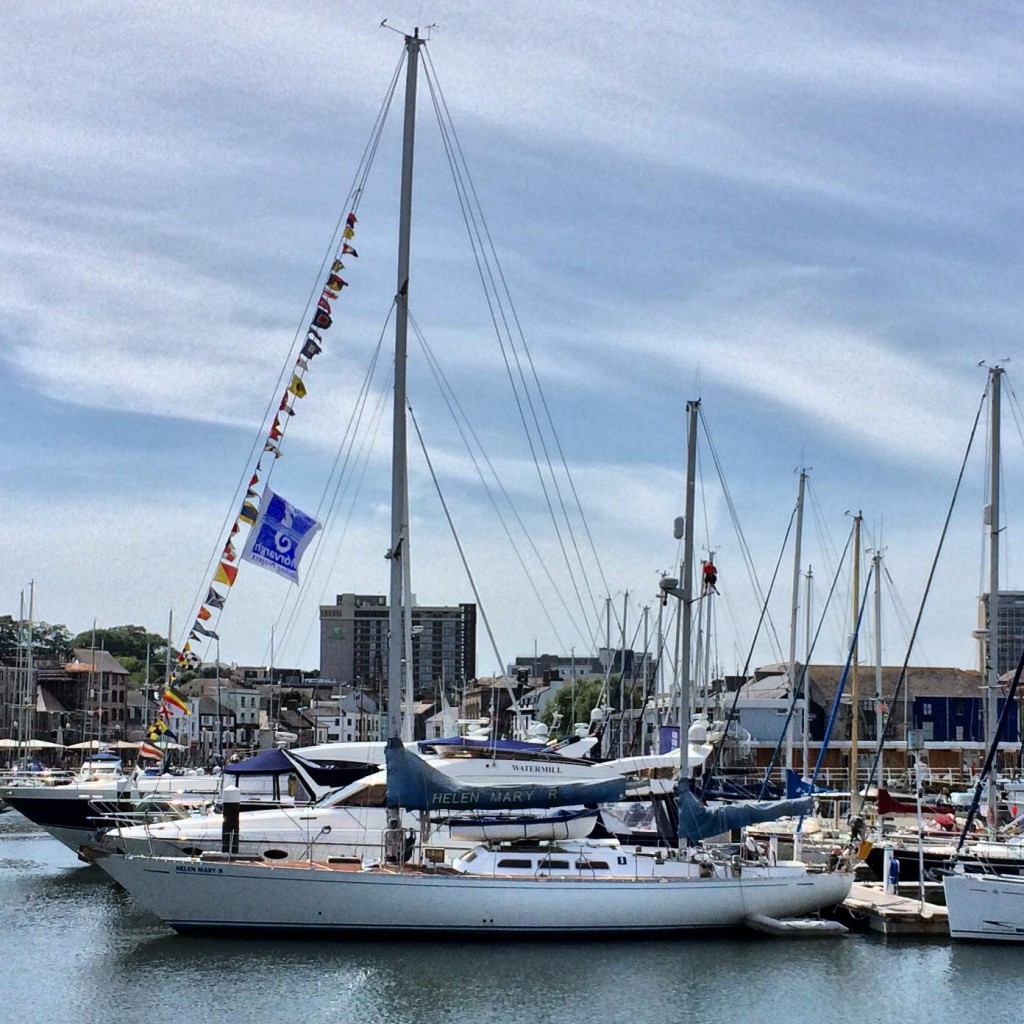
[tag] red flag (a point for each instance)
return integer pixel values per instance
(350, 220)
(347, 250)
(226, 573)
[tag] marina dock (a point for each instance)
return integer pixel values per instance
(894, 915)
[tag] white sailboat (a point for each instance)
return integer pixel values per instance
(576, 888)
(989, 905)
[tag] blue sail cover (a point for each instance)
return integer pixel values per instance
(697, 822)
(796, 786)
(417, 785)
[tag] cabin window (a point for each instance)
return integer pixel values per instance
(554, 865)
(514, 862)
(371, 796)
(592, 865)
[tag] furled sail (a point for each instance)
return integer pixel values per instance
(417, 785)
(697, 822)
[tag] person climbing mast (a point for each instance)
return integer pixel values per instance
(709, 576)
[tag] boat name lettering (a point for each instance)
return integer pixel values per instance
(520, 796)
(198, 869)
(550, 769)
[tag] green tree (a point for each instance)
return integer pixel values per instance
(51, 643)
(125, 642)
(571, 704)
(8, 638)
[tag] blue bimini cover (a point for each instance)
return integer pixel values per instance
(266, 762)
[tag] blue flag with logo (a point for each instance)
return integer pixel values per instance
(279, 536)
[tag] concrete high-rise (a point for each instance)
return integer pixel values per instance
(354, 642)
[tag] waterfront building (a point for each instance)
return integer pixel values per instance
(943, 706)
(351, 716)
(84, 698)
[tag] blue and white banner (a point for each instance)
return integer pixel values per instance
(279, 536)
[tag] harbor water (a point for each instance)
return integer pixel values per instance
(74, 947)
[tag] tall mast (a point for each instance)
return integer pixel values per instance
(793, 615)
(806, 751)
(692, 408)
(992, 692)
(408, 719)
(876, 569)
(96, 689)
(622, 676)
(167, 665)
(854, 696)
(399, 477)
(27, 730)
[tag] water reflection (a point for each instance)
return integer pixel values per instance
(75, 946)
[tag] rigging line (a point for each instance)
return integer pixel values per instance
(771, 588)
(986, 489)
(744, 548)
(630, 692)
(927, 590)
(828, 544)
(834, 565)
(902, 617)
(991, 755)
(456, 411)
(830, 724)
(526, 347)
(704, 501)
(471, 215)
(363, 458)
(1014, 404)
(352, 200)
(338, 478)
(462, 554)
(717, 748)
(544, 485)
(801, 687)
(336, 485)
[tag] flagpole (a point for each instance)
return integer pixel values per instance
(167, 672)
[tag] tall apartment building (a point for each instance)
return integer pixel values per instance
(354, 642)
(1009, 628)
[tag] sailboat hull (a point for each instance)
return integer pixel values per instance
(192, 895)
(985, 907)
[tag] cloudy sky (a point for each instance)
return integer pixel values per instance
(807, 215)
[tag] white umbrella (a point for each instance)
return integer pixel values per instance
(89, 745)
(9, 744)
